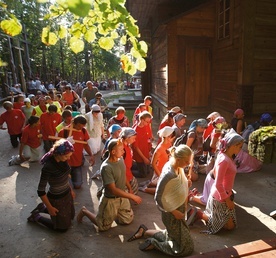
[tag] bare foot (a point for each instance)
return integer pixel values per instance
(81, 214)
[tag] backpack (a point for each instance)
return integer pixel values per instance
(181, 139)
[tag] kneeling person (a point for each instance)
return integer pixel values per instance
(114, 203)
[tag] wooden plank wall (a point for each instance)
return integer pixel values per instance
(264, 62)
(226, 66)
(159, 64)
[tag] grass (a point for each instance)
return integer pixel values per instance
(117, 95)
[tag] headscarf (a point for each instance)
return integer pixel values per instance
(61, 147)
(199, 122)
(231, 138)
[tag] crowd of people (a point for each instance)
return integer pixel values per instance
(209, 146)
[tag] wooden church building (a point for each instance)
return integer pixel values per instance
(209, 55)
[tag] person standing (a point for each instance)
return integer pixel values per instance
(58, 201)
(95, 128)
(27, 109)
(114, 204)
(87, 94)
(170, 197)
(15, 120)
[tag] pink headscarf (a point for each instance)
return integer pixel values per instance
(238, 112)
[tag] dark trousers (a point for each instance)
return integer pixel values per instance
(15, 139)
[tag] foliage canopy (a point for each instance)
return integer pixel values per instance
(93, 21)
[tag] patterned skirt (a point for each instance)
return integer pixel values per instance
(176, 239)
(65, 206)
(219, 214)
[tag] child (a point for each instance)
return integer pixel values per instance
(114, 204)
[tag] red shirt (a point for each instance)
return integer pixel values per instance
(128, 162)
(142, 142)
(76, 158)
(48, 123)
(14, 119)
(18, 105)
(30, 136)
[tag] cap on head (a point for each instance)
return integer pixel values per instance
(165, 131)
(95, 108)
(179, 117)
(127, 132)
(202, 123)
(238, 112)
(114, 128)
(176, 109)
(266, 118)
(213, 115)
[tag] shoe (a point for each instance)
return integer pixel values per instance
(191, 216)
(40, 208)
(134, 237)
(34, 217)
(146, 246)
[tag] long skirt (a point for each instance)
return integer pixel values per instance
(66, 211)
(175, 240)
(219, 214)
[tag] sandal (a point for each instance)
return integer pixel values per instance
(146, 246)
(134, 237)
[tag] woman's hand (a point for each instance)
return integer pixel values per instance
(53, 211)
(230, 204)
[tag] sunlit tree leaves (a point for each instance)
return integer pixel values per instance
(106, 43)
(48, 37)
(11, 27)
(79, 7)
(76, 44)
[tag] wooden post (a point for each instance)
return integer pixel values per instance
(13, 67)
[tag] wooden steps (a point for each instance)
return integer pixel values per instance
(259, 248)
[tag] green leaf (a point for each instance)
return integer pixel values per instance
(117, 2)
(62, 32)
(76, 45)
(48, 38)
(79, 7)
(90, 35)
(140, 64)
(123, 40)
(106, 43)
(114, 35)
(135, 53)
(11, 27)
(2, 63)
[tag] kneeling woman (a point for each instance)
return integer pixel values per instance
(170, 196)
(58, 202)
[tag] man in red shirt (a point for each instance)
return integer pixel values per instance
(15, 120)
(49, 121)
(79, 135)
